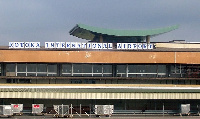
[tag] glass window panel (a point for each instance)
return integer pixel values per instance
(10, 67)
(97, 68)
(151, 69)
(21, 67)
(21, 74)
(87, 75)
(42, 68)
(52, 74)
(66, 75)
(66, 68)
(132, 68)
(172, 68)
(121, 68)
(76, 81)
(87, 68)
(184, 68)
(97, 75)
(31, 67)
(121, 75)
(41, 74)
(140, 69)
(52, 68)
(107, 75)
(151, 75)
(162, 69)
(178, 68)
(77, 74)
(132, 75)
(77, 68)
(107, 68)
(31, 74)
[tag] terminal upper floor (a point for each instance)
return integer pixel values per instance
(96, 56)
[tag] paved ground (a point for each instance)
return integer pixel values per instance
(112, 117)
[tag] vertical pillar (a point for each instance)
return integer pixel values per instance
(80, 110)
(163, 109)
(126, 70)
(148, 39)
(114, 70)
(101, 39)
(71, 111)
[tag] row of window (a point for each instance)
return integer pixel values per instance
(98, 70)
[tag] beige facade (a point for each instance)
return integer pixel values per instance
(58, 95)
(54, 56)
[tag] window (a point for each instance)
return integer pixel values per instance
(162, 69)
(31, 67)
(21, 67)
(87, 68)
(66, 69)
(132, 68)
(41, 67)
(107, 70)
(52, 68)
(97, 68)
(151, 68)
(10, 67)
(77, 68)
(143, 70)
(121, 70)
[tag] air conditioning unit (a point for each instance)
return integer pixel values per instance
(10, 74)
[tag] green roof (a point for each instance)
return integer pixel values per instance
(89, 32)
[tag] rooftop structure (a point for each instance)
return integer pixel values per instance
(96, 34)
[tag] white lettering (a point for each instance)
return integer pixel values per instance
(89, 46)
(99, 46)
(135, 46)
(124, 45)
(110, 46)
(68, 45)
(11, 44)
(79, 45)
(150, 46)
(119, 45)
(144, 46)
(62, 44)
(84, 45)
(47, 45)
(139, 45)
(73, 45)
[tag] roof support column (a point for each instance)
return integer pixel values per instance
(148, 39)
(101, 39)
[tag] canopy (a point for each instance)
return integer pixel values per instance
(112, 35)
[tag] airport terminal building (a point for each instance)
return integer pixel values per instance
(115, 67)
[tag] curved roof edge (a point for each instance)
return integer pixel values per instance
(114, 32)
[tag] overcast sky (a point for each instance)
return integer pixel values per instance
(51, 20)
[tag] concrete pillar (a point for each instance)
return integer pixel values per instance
(148, 39)
(101, 39)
